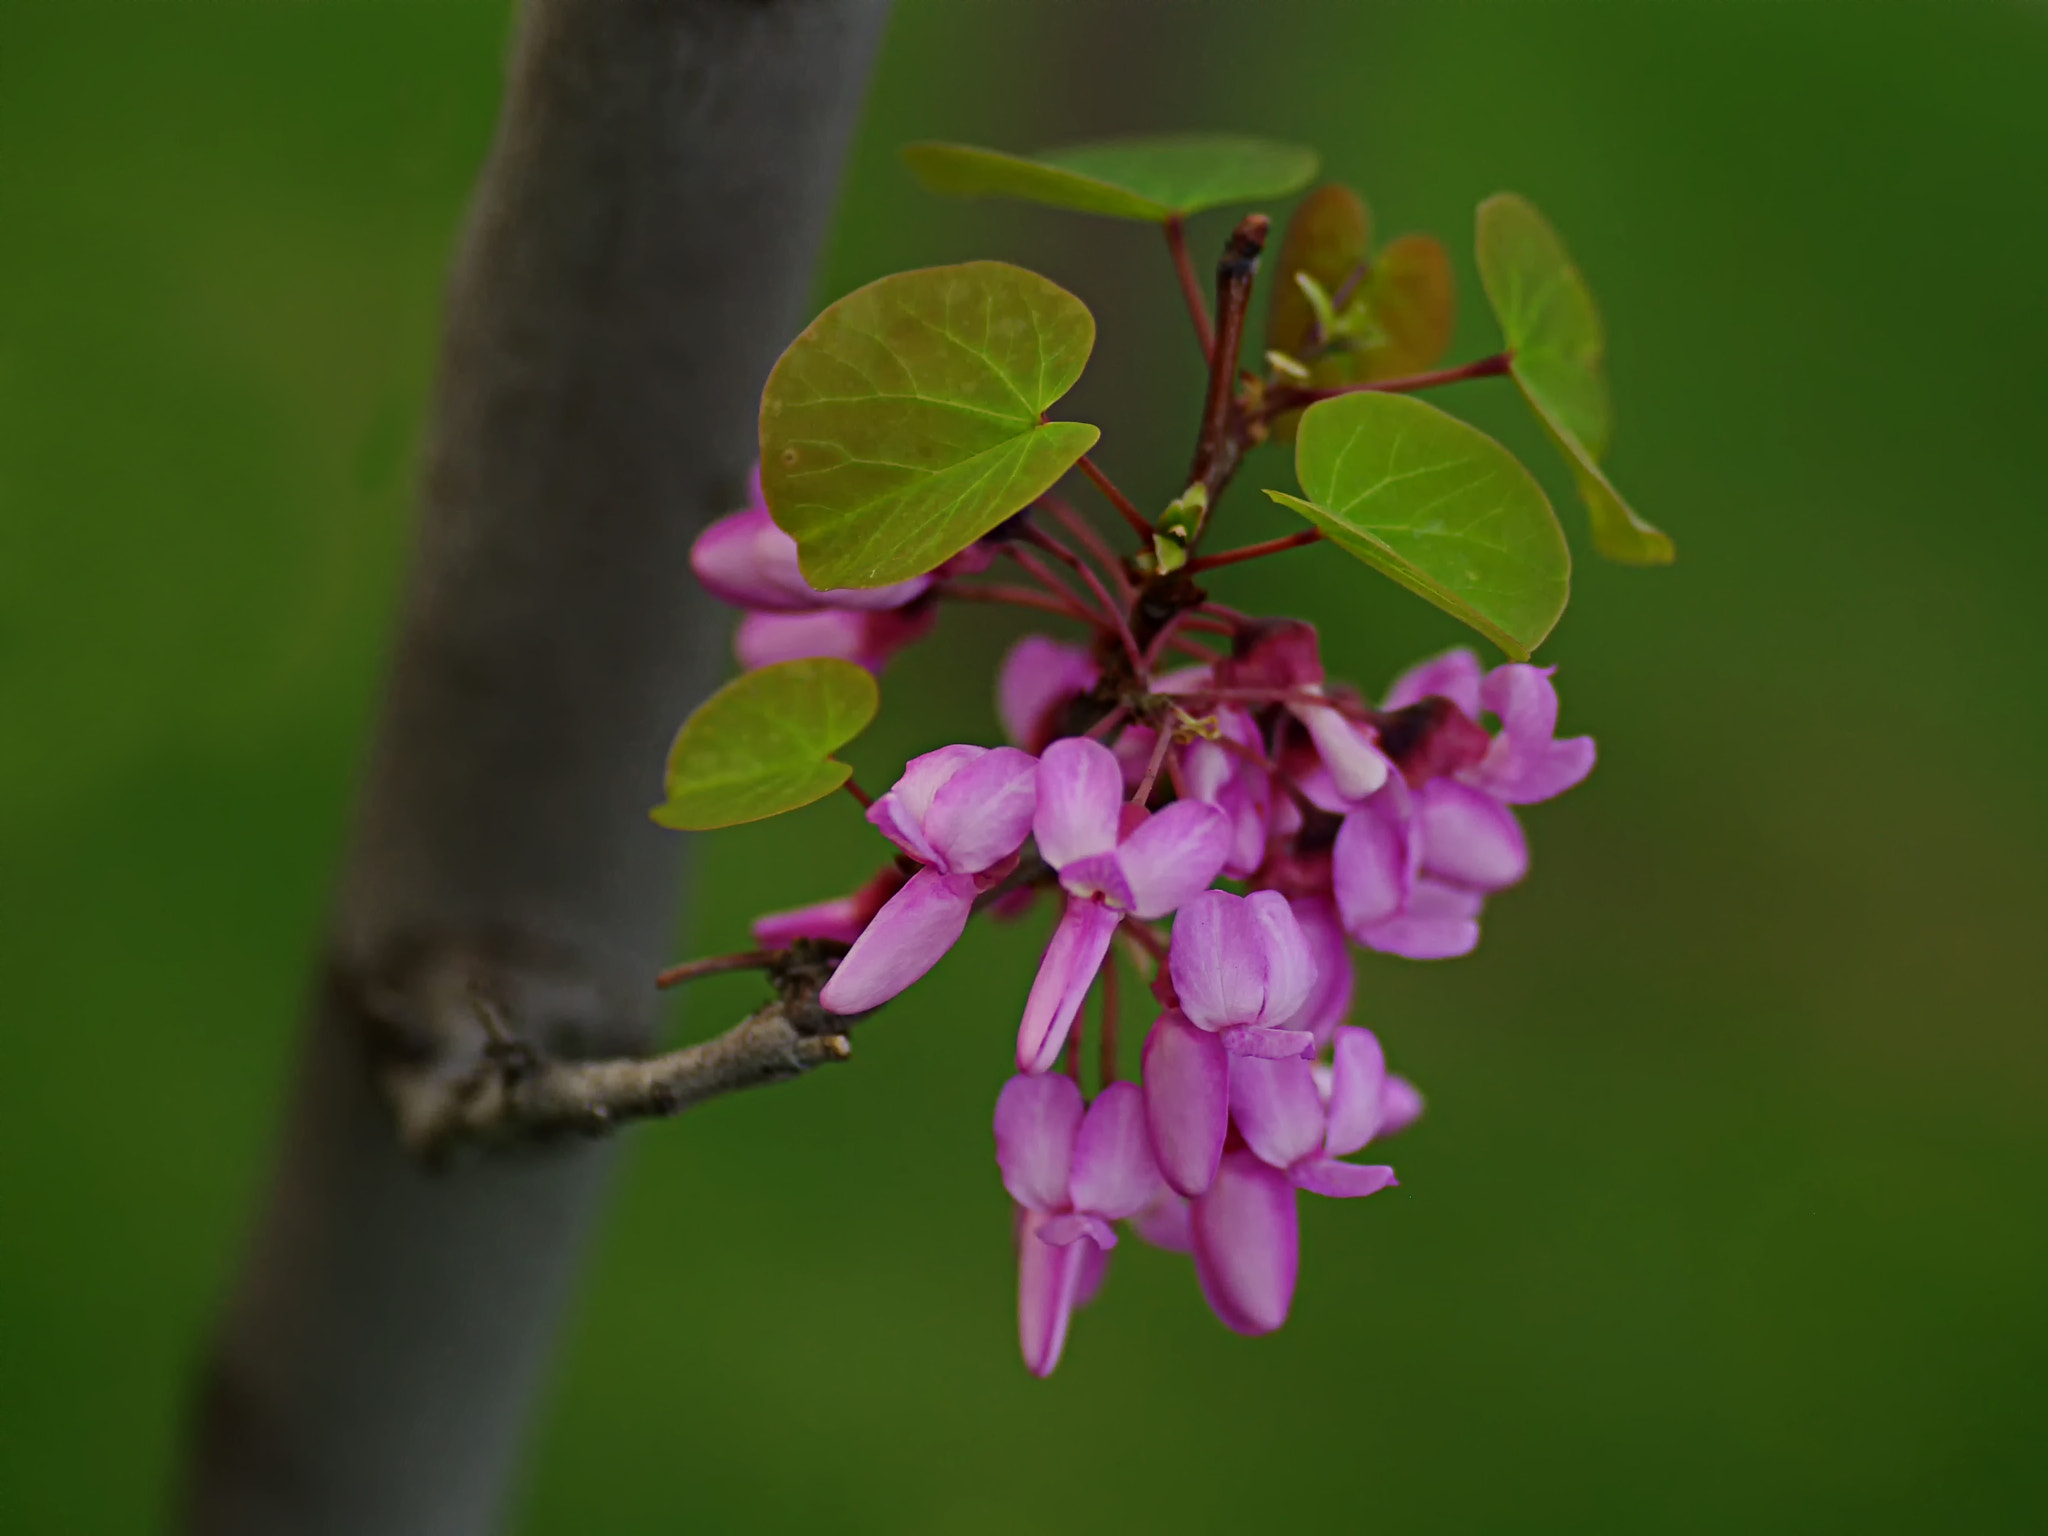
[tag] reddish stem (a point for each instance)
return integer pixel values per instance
(1255, 551)
(1051, 581)
(1143, 792)
(1290, 399)
(1107, 723)
(1080, 567)
(716, 965)
(858, 793)
(1190, 285)
(1140, 525)
(1090, 540)
(1021, 597)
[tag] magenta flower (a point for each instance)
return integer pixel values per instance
(1524, 763)
(1297, 1123)
(962, 812)
(842, 919)
(868, 639)
(746, 560)
(1236, 782)
(1039, 679)
(1285, 657)
(1112, 858)
(1071, 1173)
(1241, 969)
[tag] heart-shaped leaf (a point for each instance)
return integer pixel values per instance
(903, 424)
(1153, 179)
(1405, 293)
(763, 744)
(1440, 507)
(1553, 328)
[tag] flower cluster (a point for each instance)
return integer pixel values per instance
(1233, 825)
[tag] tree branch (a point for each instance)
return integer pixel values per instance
(639, 249)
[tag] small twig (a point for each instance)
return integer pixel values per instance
(1190, 285)
(1256, 551)
(717, 965)
(1020, 597)
(1138, 521)
(1219, 444)
(1291, 398)
(1090, 540)
(1050, 580)
(1080, 567)
(1107, 723)
(862, 796)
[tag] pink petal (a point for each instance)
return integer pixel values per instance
(1468, 837)
(1342, 1181)
(1098, 876)
(1039, 678)
(907, 938)
(1453, 675)
(1247, 1244)
(1071, 961)
(1173, 856)
(899, 814)
(1276, 1109)
(1346, 748)
(1114, 1174)
(1187, 1101)
(1526, 765)
(1037, 1119)
(1080, 792)
(1375, 860)
(1094, 1268)
(1290, 963)
(1048, 1281)
(745, 560)
(1183, 680)
(1075, 1225)
(1267, 1044)
(1440, 923)
(1329, 1001)
(1164, 1223)
(1357, 1082)
(840, 920)
(1400, 1105)
(982, 814)
(1217, 961)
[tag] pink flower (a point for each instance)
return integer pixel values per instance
(1112, 858)
(746, 560)
(842, 919)
(1241, 969)
(1040, 677)
(1284, 655)
(1071, 1173)
(869, 639)
(962, 812)
(1298, 1121)
(1234, 779)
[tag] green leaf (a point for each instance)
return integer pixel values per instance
(1153, 179)
(763, 744)
(1553, 328)
(1404, 297)
(1440, 507)
(903, 424)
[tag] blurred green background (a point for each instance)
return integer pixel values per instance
(1728, 1211)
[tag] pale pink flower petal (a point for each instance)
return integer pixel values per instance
(1165, 1222)
(1037, 1119)
(1341, 1181)
(1276, 1109)
(1216, 961)
(1173, 855)
(1376, 859)
(1346, 748)
(1525, 764)
(1455, 675)
(1357, 1087)
(840, 919)
(745, 560)
(1290, 963)
(1400, 1105)
(1075, 1225)
(1247, 1244)
(1080, 792)
(982, 814)
(1187, 1101)
(1468, 837)
(1266, 1044)
(1039, 678)
(1329, 1001)
(1071, 961)
(899, 814)
(1441, 922)
(1094, 1268)
(1114, 1175)
(1098, 875)
(907, 938)
(1048, 1282)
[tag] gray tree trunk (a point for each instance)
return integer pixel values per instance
(639, 250)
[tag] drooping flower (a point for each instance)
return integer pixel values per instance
(1297, 1122)
(867, 638)
(1112, 858)
(746, 560)
(962, 812)
(1072, 1172)
(1040, 677)
(842, 919)
(1241, 969)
